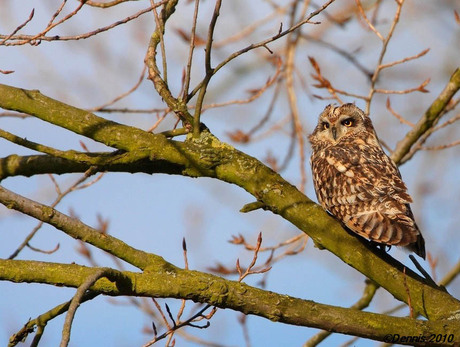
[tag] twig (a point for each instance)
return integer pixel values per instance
(242, 319)
(17, 29)
(190, 54)
(161, 26)
(58, 199)
(179, 107)
(249, 270)
(111, 274)
(132, 110)
(323, 82)
(253, 26)
(42, 320)
(385, 42)
(165, 321)
(263, 43)
(123, 95)
(349, 56)
(104, 4)
(189, 322)
(291, 46)
(209, 71)
(448, 122)
(368, 22)
(158, 122)
(35, 39)
(420, 88)
(421, 54)
(451, 275)
(256, 93)
(437, 148)
(24, 39)
(398, 116)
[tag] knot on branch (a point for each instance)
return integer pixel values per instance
(210, 150)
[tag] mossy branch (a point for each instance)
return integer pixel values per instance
(206, 156)
(205, 288)
(78, 230)
(431, 115)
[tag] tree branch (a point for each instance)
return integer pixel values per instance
(78, 230)
(432, 114)
(206, 288)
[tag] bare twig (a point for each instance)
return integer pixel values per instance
(209, 71)
(385, 42)
(397, 115)
(419, 88)
(190, 54)
(123, 95)
(249, 270)
(421, 54)
(263, 43)
(437, 148)
(189, 322)
(368, 22)
(111, 274)
(323, 82)
(278, 10)
(58, 199)
(349, 56)
(104, 4)
(24, 39)
(161, 26)
(255, 93)
(291, 46)
(42, 320)
(16, 30)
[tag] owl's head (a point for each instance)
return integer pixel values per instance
(337, 123)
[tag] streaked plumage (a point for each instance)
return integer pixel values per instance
(358, 183)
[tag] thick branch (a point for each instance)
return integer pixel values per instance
(78, 230)
(207, 156)
(131, 162)
(206, 288)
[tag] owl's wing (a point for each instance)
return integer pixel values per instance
(366, 192)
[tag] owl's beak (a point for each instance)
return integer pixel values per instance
(334, 132)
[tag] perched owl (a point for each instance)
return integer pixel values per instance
(358, 183)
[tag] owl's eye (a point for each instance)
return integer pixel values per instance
(348, 122)
(325, 125)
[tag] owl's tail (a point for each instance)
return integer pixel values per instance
(418, 247)
(398, 230)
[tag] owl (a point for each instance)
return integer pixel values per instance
(358, 183)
